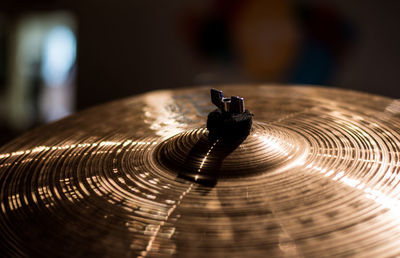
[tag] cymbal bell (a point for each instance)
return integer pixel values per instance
(317, 175)
(192, 154)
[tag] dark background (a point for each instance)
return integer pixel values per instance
(127, 47)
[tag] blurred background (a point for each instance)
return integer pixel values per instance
(60, 56)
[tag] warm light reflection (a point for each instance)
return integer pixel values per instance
(392, 203)
(205, 158)
(393, 108)
(162, 115)
(133, 201)
(271, 143)
(156, 228)
(72, 146)
(69, 190)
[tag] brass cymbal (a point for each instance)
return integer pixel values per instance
(317, 176)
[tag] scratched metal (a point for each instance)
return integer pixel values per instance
(317, 176)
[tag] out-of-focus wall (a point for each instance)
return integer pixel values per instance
(128, 47)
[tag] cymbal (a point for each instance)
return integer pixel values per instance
(317, 176)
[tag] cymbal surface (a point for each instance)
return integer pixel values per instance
(317, 176)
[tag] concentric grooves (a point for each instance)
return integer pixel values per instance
(268, 148)
(317, 177)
